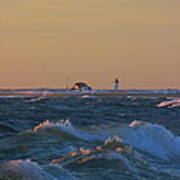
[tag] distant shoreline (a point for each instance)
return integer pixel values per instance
(121, 93)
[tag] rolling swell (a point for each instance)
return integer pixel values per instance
(100, 140)
(150, 138)
(26, 170)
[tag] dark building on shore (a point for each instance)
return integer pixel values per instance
(81, 86)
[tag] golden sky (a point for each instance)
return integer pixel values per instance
(52, 43)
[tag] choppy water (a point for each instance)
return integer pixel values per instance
(111, 138)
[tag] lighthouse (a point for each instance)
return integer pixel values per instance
(116, 85)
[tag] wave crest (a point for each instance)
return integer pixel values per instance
(151, 138)
(170, 104)
(48, 124)
(23, 170)
(65, 129)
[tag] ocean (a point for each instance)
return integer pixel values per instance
(89, 137)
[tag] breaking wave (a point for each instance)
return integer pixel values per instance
(170, 104)
(146, 137)
(127, 145)
(66, 129)
(27, 170)
(153, 139)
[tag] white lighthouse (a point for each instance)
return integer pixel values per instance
(116, 85)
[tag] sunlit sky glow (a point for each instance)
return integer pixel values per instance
(52, 43)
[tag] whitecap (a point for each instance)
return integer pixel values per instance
(65, 127)
(151, 138)
(170, 103)
(23, 170)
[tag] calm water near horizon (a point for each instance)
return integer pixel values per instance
(127, 138)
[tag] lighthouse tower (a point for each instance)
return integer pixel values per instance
(116, 85)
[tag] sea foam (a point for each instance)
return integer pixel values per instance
(170, 104)
(146, 137)
(151, 138)
(65, 127)
(23, 170)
